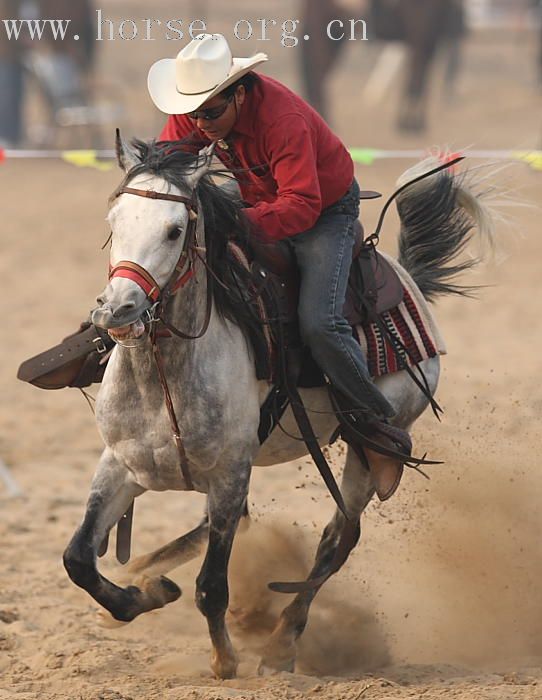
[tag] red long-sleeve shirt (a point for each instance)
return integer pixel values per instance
(299, 166)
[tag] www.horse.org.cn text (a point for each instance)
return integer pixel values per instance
(150, 29)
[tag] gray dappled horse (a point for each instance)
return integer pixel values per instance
(423, 26)
(214, 389)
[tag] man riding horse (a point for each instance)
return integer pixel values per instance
(181, 402)
(297, 180)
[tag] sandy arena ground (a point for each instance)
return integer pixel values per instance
(441, 599)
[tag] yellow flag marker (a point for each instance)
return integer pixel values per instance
(365, 156)
(532, 158)
(86, 159)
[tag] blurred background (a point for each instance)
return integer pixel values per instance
(448, 572)
(454, 70)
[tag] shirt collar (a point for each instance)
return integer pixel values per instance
(245, 125)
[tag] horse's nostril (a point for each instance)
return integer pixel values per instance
(124, 309)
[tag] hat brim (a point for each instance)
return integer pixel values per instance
(162, 85)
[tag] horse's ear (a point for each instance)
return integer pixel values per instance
(126, 156)
(205, 157)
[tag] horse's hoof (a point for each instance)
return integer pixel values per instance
(105, 619)
(264, 670)
(169, 589)
(226, 674)
(270, 667)
(148, 593)
(225, 669)
(280, 652)
(157, 591)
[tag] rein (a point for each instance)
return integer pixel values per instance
(182, 273)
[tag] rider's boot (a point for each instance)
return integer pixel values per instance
(386, 471)
(382, 447)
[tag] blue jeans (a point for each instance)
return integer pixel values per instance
(324, 256)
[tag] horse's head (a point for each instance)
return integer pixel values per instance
(153, 224)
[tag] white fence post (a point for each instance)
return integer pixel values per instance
(11, 485)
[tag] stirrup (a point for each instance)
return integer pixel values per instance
(386, 465)
(365, 441)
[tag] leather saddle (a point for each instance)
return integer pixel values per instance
(376, 275)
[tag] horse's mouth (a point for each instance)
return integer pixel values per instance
(130, 332)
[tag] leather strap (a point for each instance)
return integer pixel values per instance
(311, 441)
(374, 238)
(171, 289)
(78, 345)
(183, 460)
(132, 271)
(151, 194)
(124, 535)
(369, 194)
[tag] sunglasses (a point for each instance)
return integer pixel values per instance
(211, 113)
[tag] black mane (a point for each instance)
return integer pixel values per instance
(173, 162)
(223, 222)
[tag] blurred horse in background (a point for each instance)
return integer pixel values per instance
(423, 27)
(74, 106)
(57, 68)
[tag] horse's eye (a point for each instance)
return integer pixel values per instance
(174, 233)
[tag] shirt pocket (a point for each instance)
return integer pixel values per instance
(263, 179)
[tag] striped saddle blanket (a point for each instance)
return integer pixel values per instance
(411, 324)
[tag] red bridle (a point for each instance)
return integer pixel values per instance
(134, 272)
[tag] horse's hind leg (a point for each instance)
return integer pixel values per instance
(357, 489)
(112, 492)
(176, 553)
(227, 497)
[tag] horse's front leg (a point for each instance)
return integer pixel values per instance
(226, 502)
(113, 490)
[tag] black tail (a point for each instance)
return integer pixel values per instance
(439, 216)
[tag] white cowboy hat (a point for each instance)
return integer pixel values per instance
(201, 70)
